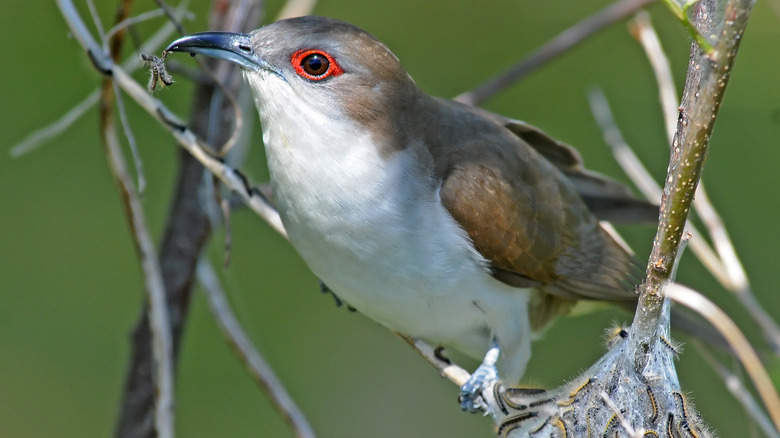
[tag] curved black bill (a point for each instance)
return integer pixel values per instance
(233, 47)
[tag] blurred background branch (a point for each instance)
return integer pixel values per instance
(188, 226)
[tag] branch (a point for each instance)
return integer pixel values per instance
(243, 348)
(739, 344)
(41, 136)
(642, 30)
(188, 227)
(558, 45)
(159, 325)
(735, 386)
(704, 88)
(448, 370)
(158, 319)
(728, 269)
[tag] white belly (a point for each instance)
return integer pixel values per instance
(389, 248)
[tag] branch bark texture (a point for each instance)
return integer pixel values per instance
(705, 85)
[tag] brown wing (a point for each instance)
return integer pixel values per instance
(606, 198)
(526, 217)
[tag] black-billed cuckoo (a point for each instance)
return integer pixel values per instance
(436, 219)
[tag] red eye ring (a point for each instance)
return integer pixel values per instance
(314, 64)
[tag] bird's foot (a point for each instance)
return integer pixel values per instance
(327, 290)
(471, 399)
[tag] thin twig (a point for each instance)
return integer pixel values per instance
(187, 227)
(735, 386)
(49, 132)
(738, 280)
(642, 29)
(171, 16)
(162, 346)
(243, 347)
(641, 177)
(41, 136)
(623, 423)
(738, 342)
(450, 371)
(139, 164)
(233, 179)
(159, 323)
(98, 24)
(132, 21)
(108, 97)
(561, 43)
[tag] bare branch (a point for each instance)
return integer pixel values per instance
(642, 29)
(233, 179)
(132, 21)
(452, 372)
(730, 273)
(172, 16)
(245, 350)
(738, 342)
(159, 324)
(738, 281)
(162, 346)
(737, 389)
(96, 20)
(561, 43)
(719, 267)
(41, 136)
(188, 226)
(641, 177)
(139, 164)
(705, 85)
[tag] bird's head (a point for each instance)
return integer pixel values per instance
(311, 63)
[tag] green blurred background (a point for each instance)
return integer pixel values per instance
(71, 288)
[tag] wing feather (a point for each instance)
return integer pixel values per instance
(526, 217)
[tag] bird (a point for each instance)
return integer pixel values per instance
(436, 219)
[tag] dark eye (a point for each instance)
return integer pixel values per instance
(315, 65)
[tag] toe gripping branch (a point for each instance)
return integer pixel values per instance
(485, 377)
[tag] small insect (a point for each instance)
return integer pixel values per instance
(561, 426)
(612, 426)
(653, 406)
(159, 75)
(682, 405)
(515, 422)
(613, 335)
(573, 395)
(522, 398)
(673, 346)
(670, 426)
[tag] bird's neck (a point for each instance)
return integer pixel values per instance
(333, 177)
